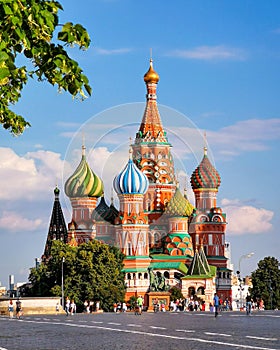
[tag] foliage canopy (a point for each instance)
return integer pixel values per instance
(266, 282)
(27, 29)
(92, 272)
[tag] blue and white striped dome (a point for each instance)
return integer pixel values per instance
(131, 180)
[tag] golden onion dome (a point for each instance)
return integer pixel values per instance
(151, 76)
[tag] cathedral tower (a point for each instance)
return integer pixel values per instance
(132, 226)
(83, 188)
(208, 223)
(57, 228)
(151, 153)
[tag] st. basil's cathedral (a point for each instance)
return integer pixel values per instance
(160, 232)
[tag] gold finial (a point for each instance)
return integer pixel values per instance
(186, 188)
(130, 148)
(151, 54)
(205, 143)
(83, 145)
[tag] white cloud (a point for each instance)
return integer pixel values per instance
(252, 135)
(15, 222)
(245, 136)
(27, 184)
(108, 52)
(246, 219)
(28, 177)
(209, 53)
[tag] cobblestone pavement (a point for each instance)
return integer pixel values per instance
(161, 331)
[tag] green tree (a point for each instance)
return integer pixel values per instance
(266, 282)
(176, 293)
(92, 271)
(27, 29)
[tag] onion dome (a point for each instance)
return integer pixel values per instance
(105, 213)
(131, 180)
(100, 211)
(84, 182)
(151, 76)
(56, 191)
(205, 175)
(179, 205)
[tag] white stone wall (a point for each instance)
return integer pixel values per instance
(32, 305)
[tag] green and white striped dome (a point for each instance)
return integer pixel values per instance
(84, 182)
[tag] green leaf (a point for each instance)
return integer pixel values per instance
(4, 72)
(19, 33)
(88, 89)
(3, 56)
(7, 10)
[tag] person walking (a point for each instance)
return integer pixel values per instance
(67, 306)
(72, 308)
(216, 302)
(115, 307)
(18, 309)
(11, 308)
(139, 302)
(248, 305)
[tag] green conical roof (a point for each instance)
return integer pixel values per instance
(197, 266)
(204, 259)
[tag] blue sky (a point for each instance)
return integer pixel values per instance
(218, 63)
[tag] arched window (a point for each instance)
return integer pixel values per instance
(191, 291)
(129, 276)
(166, 274)
(200, 291)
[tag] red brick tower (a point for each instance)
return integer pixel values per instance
(151, 153)
(132, 227)
(208, 222)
